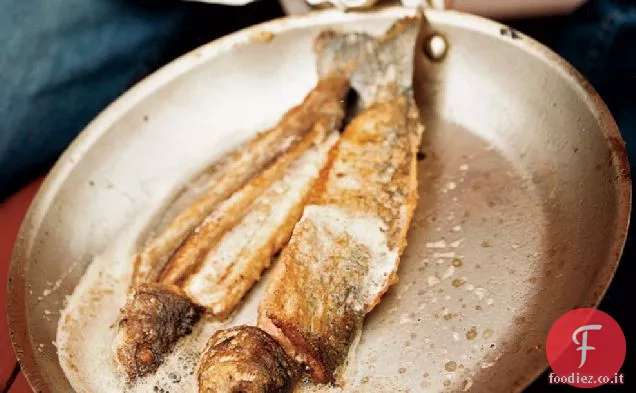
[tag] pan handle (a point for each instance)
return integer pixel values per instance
(494, 9)
(439, 5)
(348, 5)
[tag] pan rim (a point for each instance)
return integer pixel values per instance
(99, 126)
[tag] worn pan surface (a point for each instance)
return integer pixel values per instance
(524, 184)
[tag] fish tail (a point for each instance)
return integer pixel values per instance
(389, 69)
(374, 65)
(341, 53)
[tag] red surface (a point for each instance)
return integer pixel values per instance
(12, 212)
(20, 385)
(586, 347)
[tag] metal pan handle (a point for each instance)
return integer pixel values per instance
(348, 5)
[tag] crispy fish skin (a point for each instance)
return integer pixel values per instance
(154, 318)
(157, 315)
(199, 243)
(230, 175)
(237, 261)
(344, 252)
(244, 359)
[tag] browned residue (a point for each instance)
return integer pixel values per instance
(458, 282)
(472, 333)
(263, 36)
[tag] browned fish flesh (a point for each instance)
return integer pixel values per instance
(245, 359)
(154, 318)
(236, 262)
(169, 231)
(345, 250)
(195, 248)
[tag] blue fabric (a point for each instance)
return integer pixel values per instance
(63, 61)
(600, 41)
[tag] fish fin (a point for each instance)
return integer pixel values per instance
(389, 69)
(374, 65)
(339, 52)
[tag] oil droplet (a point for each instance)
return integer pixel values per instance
(488, 333)
(458, 282)
(450, 366)
(457, 262)
(472, 333)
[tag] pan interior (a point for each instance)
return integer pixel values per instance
(521, 214)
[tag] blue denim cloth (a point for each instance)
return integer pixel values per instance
(63, 61)
(600, 41)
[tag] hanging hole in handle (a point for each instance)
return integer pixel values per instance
(435, 47)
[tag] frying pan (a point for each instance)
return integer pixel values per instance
(524, 195)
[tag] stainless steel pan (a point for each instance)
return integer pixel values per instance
(524, 183)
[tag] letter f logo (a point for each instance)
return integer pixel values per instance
(584, 347)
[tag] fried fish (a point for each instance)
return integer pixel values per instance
(345, 250)
(154, 318)
(212, 252)
(188, 212)
(236, 262)
(245, 359)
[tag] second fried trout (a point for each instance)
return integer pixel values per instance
(344, 252)
(191, 225)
